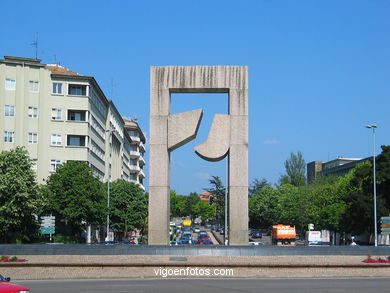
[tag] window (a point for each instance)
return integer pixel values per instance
(133, 162)
(33, 86)
(9, 110)
(54, 164)
(133, 133)
(10, 84)
(57, 88)
(133, 176)
(33, 112)
(56, 114)
(9, 136)
(77, 115)
(77, 90)
(32, 138)
(56, 139)
(76, 140)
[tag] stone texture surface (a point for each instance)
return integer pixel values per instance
(165, 80)
(143, 266)
(182, 128)
(216, 147)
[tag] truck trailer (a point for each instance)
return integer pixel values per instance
(283, 235)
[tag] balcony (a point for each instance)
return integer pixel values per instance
(135, 154)
(141, 173)
(141, 160)
(142, 146)
(134, 168)
(77, 141)
(77, 90)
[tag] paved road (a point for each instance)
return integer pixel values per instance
(368, 285)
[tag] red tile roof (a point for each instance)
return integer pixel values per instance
(58, 69)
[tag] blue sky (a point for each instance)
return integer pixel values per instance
(318, 70)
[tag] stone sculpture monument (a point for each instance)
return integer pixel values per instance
(228, 136)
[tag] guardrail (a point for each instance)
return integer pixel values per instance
(214, 250)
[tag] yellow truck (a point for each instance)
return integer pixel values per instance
(187, 223)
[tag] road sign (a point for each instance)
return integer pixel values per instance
(47, 230)
(48, 221)
(385, 229)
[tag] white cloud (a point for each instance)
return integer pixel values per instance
(271, 141)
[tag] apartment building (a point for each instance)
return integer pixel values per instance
(61, 115)
(136, 150)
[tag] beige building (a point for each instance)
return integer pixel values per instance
(60, 115)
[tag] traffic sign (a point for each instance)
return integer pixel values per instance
(47, 230)
(48, 221)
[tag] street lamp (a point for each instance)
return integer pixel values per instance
(110, 131)
(373, 127)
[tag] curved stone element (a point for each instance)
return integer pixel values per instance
(183, 127)
(216, 147)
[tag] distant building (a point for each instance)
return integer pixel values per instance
(137, 151)
(205, 196)
(338, 167)
(60, 115)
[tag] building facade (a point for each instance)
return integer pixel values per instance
(338, 167)
(60, 115)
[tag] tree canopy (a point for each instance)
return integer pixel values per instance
(295, 169)
(76, 196)
(128, 206)
(18, 196)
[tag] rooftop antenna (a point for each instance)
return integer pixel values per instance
(35, 44)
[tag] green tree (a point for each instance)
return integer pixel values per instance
(257, 185)
(383, 174)
(178, 205)
(358, 195)
(264, 208)
(204, 210)
(218, 191)
(191, 200)
(324, 204)
(18, 197)
(293, 205)
(76, 196)
(128, 206)
(295, 169)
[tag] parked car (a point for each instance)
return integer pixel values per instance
(196, 229)
(7, 287)
(256, 234)
(256, 243)
(205, 242)
(184, 241)
(202, 232)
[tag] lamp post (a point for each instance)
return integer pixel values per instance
(373, 127)
(110, 131)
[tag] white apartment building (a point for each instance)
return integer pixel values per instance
(137, 150)
(60, 115)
